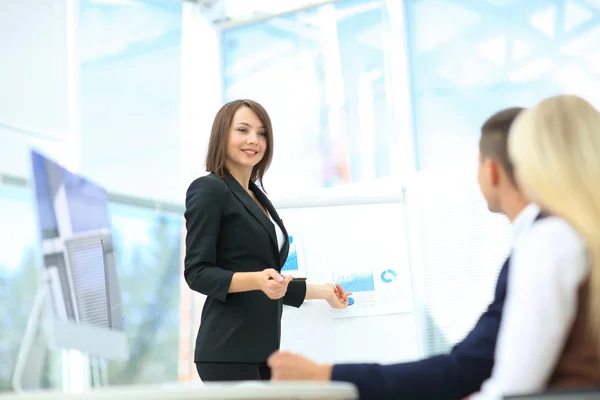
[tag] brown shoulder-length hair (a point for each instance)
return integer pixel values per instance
(219, 135)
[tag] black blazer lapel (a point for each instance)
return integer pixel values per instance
(251, 205)
(283, 254)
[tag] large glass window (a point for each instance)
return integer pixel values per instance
(471, 58)
(106, 99)
(322, 74)
(147, 245)
(148, 259)
(130, 56)
(19, 276)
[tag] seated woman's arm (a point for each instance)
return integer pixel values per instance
(548, 267)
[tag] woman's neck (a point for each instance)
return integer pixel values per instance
(242, 175)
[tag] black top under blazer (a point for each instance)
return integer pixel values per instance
(227, 232)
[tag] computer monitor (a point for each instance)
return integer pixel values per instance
(85, 311)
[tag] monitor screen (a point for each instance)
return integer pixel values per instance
(75, 229)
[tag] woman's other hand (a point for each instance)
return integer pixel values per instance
(272, 283)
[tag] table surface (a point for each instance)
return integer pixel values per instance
(211, 391)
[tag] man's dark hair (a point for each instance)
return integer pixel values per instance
(494, 138)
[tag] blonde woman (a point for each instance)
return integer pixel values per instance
(550, 331)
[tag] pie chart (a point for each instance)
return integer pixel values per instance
(388, 276)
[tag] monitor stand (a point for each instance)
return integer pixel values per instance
(80, 372)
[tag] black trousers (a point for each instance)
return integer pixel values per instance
(224, 371)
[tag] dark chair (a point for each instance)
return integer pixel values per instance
(560, 394)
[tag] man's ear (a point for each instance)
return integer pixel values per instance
(494, 170)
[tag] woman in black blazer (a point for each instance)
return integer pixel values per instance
(236, 245)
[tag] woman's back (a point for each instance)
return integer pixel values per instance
(579, 363)
(555, 147)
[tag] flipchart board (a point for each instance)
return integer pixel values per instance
(360, 242)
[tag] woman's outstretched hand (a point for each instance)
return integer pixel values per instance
(337, 297)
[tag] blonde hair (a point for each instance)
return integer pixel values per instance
(555, 147)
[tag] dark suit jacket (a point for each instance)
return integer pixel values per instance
(443, 377)
(227, 232)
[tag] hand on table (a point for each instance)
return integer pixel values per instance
(286, 366)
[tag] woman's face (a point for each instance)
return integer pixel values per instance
(247, 140)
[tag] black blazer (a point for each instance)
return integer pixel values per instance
(227, 232)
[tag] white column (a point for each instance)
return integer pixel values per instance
(76, 365)
(72, 157)
(201, 98)
(201, 89)
(403, 157)
(367, 137)
(39, 105)
(334, 88)
(403, 154)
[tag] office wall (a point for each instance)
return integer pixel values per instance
(36, 47)
(34, 75)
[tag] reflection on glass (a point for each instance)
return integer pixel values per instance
(147, 251)
(130, 53)
(18, 274)
(321, 75)
(472, 58)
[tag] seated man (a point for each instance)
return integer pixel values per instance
(461, 372)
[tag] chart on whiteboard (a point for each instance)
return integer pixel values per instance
(294, 264)
(375, 291)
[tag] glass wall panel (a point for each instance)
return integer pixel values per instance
(147, 247)
(130, 94)
(471, 58)
(322, 74)
(19, 277)
(122, 83)
(147, 250)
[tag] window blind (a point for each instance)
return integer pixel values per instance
(460, 247)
